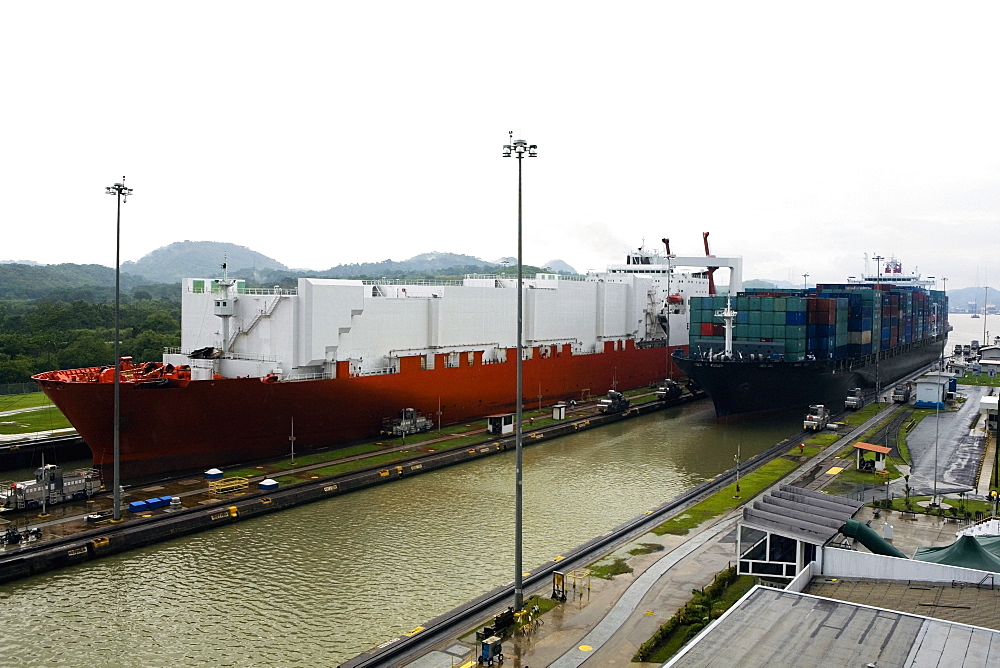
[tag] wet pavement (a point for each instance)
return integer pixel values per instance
(958, 448)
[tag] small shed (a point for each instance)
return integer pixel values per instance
(988, 410)
(991, 367)
(499, 425)
(878, 464)
(989, 353)
(267, 485)
(213, 474)
(932, 390)
(559, 411)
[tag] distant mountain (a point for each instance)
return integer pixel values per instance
(759, 284)
(436, 261)
(772, 283)
(184, 259)
(171, 264)
(965, 300)
(559, 267)
(29, 262)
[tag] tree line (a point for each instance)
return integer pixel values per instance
(47, 334)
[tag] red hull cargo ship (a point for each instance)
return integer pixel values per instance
(332, 358)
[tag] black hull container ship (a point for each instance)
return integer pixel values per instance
(774, 350)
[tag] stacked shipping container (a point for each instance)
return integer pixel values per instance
(832, 321)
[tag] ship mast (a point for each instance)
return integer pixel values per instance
(729, 316)
(225, 307)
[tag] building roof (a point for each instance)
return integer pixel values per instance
(800, 513)
(768, 627)
(872, 447)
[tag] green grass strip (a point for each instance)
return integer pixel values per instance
(979, 380)
(349, 467)
(722, 501)
(609, 570)
(32, 421)
(862, 415)
(306, 460)
(12, 402)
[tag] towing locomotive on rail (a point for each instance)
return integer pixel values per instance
(50, 486)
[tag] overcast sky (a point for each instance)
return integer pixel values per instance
(802, 135)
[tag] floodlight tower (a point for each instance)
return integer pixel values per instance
(122, 193)
(518, 148)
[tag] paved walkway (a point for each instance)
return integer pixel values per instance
(986, 472)
(598, 639)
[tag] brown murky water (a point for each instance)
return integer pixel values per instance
(319, 584)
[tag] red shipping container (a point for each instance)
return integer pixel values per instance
(706, 329)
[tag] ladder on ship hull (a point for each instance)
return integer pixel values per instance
(263, 313)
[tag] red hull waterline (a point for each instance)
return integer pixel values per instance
(185, 426)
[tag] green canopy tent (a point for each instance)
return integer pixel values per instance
(966, 552)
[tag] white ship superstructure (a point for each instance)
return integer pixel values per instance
(304, 332)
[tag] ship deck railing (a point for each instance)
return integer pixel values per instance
(292, 292)
(246, 357)
(308, 376)
(381, 371)
(400, 281)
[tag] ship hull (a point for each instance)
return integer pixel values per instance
(744, 388)
(184, 426)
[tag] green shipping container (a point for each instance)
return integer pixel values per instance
(795, 332)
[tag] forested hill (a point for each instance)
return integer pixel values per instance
(65, 282)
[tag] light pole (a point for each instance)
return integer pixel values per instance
(518, 148)
(986, 298)
(937, 417)
(878, 353)
(805, 284)
(122, 193)
(670, 306)
(943, 333)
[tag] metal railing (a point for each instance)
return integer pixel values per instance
(19, 388)
(245, 357)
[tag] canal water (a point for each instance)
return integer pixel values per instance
(318, 584)
(966, 329)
